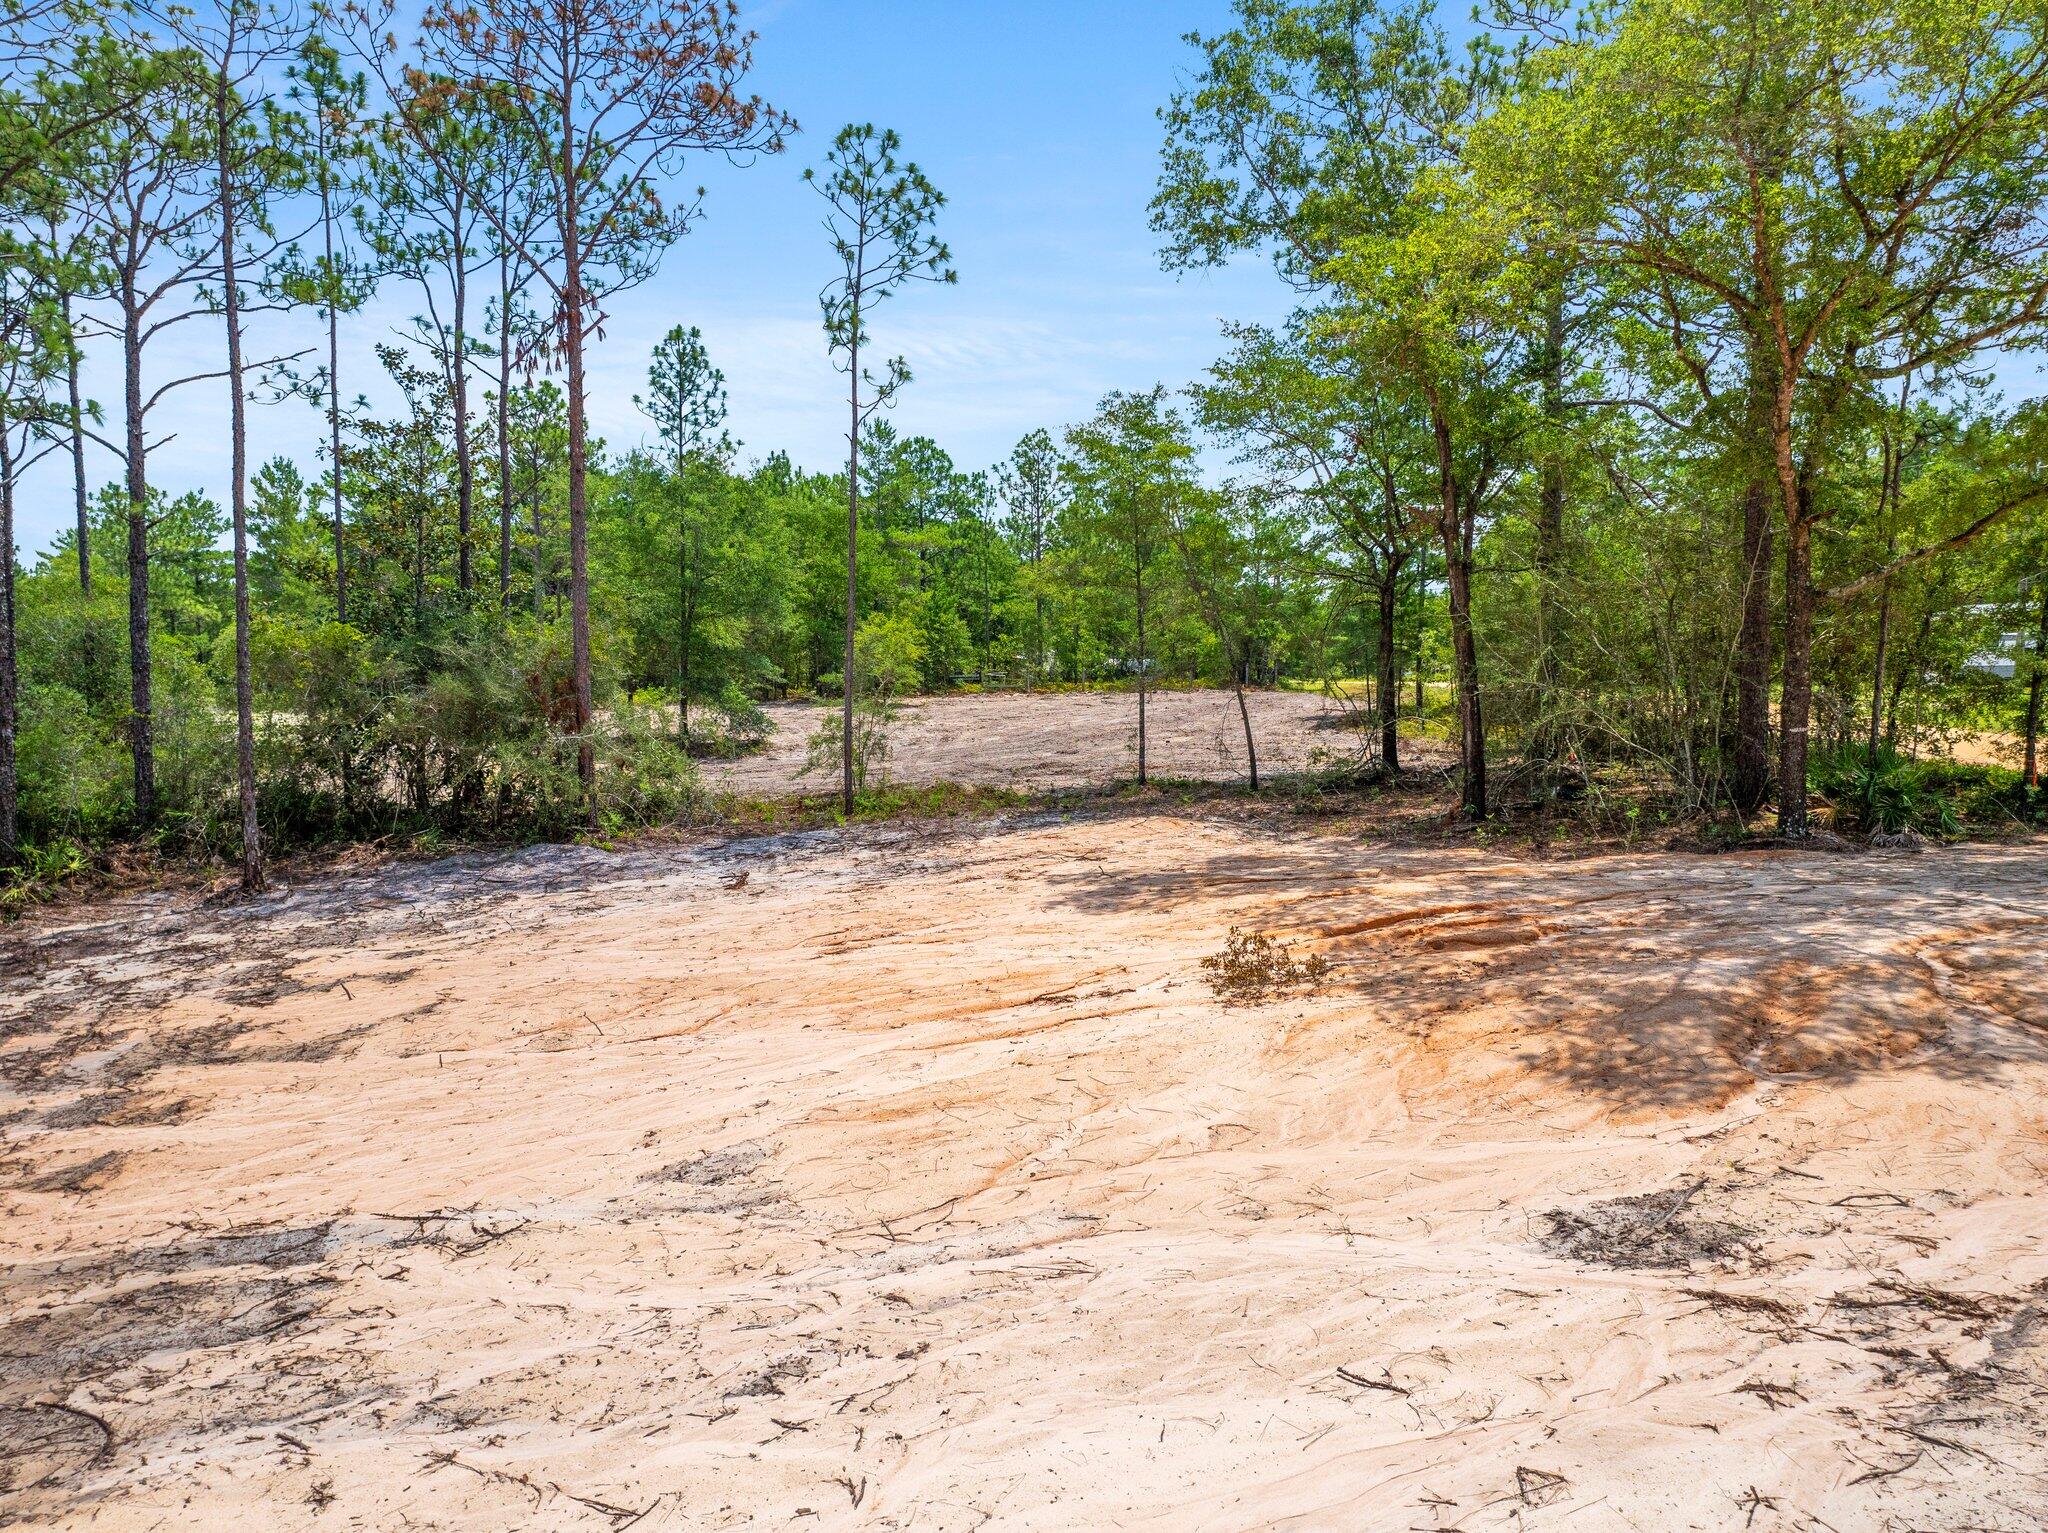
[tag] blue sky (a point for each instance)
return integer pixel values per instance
(1035, 117)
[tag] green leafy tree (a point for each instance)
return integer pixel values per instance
(620, 99)
(1128, 468)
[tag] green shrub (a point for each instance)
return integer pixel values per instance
(1890, 795)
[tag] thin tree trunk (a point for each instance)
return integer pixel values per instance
(686, 613)
(238, 500)
(1884, 637)
(78, 455)
(852, 558)
(1454, 526)
(1549, 533)
(2031, 768)
(465, 469)
(141, 731)
(10, 811)
(1138, 562)
(540, 571)
(334, 405)
(1471, 723)
(1038, 646)
(1244, 714)
(579, 509)
(504, 422)
(1387, 686)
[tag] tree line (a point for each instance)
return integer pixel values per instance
(1640, 387)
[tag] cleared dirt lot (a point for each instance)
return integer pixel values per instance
(1060, 739)
(899, 1180)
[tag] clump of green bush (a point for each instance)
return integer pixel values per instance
(1890, 796)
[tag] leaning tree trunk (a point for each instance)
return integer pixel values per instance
(1244, 714)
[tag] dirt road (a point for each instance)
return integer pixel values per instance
(919, 1180)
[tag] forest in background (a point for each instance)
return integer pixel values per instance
(1639, 395)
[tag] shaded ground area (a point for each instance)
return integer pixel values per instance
(1062, 739)
(919, 1179)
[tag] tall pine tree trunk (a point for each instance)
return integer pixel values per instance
(465, 467)
(1455, 530)
(1387, 687)
(238, 455)
(2031, 768)
(579, 504)
(77, 434)
(141, 730)
(1543, 739)
(1138, 563)
(334, 413)
(852, 560)
(504, 423)
(10, 809)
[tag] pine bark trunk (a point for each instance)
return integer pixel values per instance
(2031, 768)
(465, 467)
(238, 498)
(10, 793)
(579, 509)
(1543, 738)
(1139, 565)
(77, 433)
(141, 727)
(504, 425)
(852, 564)
(1387, 689)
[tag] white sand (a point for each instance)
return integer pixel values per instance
(920, 1181)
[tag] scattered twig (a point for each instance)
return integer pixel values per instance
(1363, 1382)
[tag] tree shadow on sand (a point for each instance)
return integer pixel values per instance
(1671, 983)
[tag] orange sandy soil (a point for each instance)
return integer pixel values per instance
(918, 1180)
(1043, 740)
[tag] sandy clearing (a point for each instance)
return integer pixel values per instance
(917, 1180)
(1046, 740)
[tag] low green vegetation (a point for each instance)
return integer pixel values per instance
(1632, 435)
